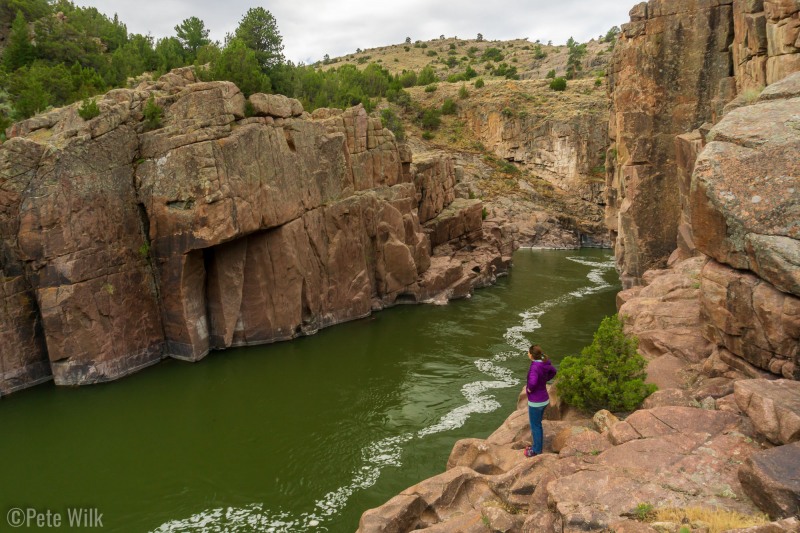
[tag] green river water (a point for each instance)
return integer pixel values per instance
(303, 435)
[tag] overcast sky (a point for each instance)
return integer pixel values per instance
(313, 28)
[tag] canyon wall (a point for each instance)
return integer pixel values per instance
(667, 69)
(563, 144)
(697, 169)
(122, 245)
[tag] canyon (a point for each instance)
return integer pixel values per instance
(701, 201)
(239, 221)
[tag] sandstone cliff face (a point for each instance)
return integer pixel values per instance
(565, 148)
(744, 201)
(122, 246)
(667, 69)
(767, 41)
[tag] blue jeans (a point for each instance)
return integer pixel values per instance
(537, 433)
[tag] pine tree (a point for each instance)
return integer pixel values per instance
(20, 51)
(609, 374)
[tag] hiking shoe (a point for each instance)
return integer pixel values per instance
(529, 452)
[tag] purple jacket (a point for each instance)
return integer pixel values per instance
(539, 374)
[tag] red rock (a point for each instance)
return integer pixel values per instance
(665, 74)
(770, 479)
(773, 406)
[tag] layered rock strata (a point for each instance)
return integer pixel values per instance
(666, 73)
(122, 245)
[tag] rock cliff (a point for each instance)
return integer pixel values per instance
(224, 225)
(535, 156)
(702, 178)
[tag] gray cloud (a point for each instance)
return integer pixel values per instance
(313, 28)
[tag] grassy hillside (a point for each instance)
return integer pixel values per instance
(451, 56)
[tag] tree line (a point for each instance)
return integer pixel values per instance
(58, 53)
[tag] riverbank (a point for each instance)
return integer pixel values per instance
(706, 439)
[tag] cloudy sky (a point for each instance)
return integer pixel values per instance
(313, 28)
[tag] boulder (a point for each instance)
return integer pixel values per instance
(740, 218)
(433, 501)
(751, 321)
(770, 479)
(773, 406)
(604, 420)
(275, 105)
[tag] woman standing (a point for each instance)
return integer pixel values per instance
(540, 373)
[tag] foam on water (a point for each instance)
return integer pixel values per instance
(388, 452)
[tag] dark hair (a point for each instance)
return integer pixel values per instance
(536, 351)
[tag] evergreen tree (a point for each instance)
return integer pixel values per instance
(170, 54)
(609, 374)
(258, 30)
(20, 51)
(238, 63)
(192, 34)
(574, 58)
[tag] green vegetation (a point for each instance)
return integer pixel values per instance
(575, 58)
(643, 511)
(390, 120)
(449, 107)
(431, 88)
(612, 34)
(558, 84)
(152, 114)
(609, 374)
(430, 119)
(88, 110)
(479, 83)
(551, 74)
(463, 92)
(493, 54)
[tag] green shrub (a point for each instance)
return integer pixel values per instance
(484, 214)
(391, 121)
(463, 92)
(479, 83)
(426, 76)
(88, 109)
(558, 84)
(430, 119)
(431, 88)
(551, 74)
(152, 114)
(427, 135)
(492, 54)
(449, 107)
(609, 374)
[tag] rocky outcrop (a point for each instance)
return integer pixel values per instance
(766, 43)
(122, 245)
(773, 406)
(558, 137)
(669, 456)
(667, 71)
(770, 478)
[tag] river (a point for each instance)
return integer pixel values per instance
(303, 435)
